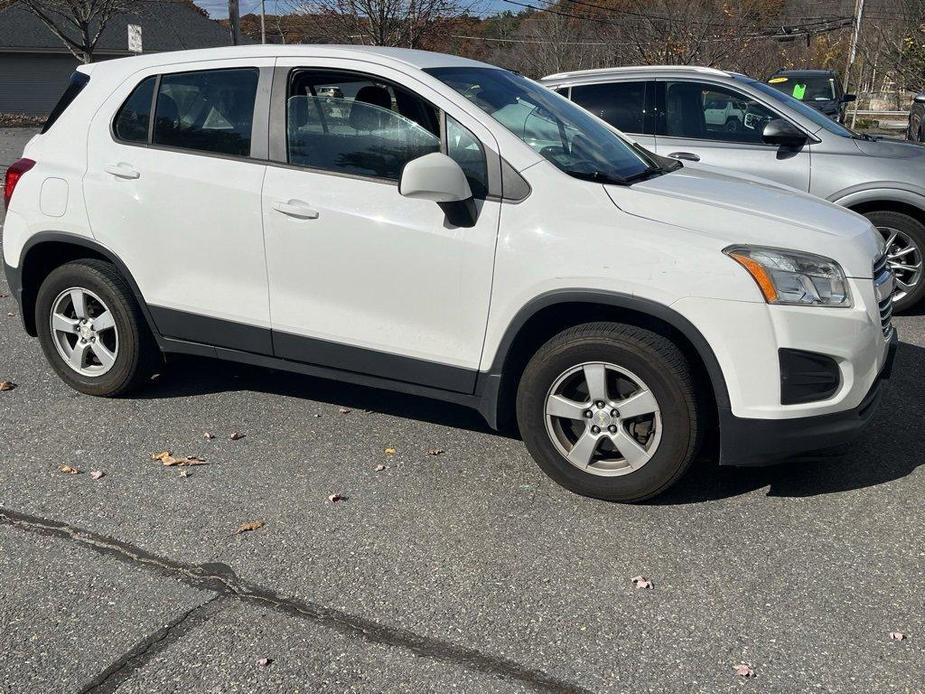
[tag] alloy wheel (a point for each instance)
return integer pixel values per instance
(904, 258)
(84, 332)
(603, 419)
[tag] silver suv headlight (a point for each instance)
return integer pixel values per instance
(793, 278)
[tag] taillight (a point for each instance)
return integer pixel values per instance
(13, 174)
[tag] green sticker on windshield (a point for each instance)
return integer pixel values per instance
(799, 91)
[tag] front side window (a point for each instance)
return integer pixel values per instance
(131, 123)
(622, 104)
(559, 130)
(208, 111)
(356, 124)
(710, 112)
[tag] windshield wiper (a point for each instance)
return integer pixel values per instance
(596, 176)
(650, 172)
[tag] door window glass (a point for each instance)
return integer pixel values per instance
(208, 111)
(622, 104)
(132, 120)
(355, 124)
(709, 112)
(463, 148)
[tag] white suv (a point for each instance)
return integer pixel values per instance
(434, 225)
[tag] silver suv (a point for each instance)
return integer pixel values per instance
(669, 110)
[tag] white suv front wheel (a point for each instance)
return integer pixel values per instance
(609, 411)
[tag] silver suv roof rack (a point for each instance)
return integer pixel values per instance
(636, 68)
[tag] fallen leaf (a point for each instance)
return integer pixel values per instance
(169, 460)
(237, 436)
(184, 473)
(344, 410)
(160, 456)
(897, 636)
(264, 662)
(248, 527)
(68, 470)
(11, 314)
(390, 451)
(207, 435)
(380, 468)
(642, 582)
(435, 451)
(6, 385)
(334, 498)
(97, 474)
(743, 670)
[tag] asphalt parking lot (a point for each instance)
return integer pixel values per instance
(467, 570)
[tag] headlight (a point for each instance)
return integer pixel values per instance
(793, 278)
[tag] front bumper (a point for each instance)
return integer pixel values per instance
(750, 442)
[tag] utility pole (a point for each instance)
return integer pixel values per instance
(263, 21)
(234, 21)
(852, 52)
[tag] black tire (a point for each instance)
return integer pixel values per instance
(137, 356)
(658, 362)
(733, 125)
(915, 231)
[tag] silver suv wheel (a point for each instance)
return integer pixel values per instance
(904, 258)
(603, 419)
(84, 332)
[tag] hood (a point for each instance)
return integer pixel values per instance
(737, 210)
(890, 148)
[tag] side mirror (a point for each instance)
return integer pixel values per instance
(438, 178)
(849, 97)
(920, 98)
(781, 132)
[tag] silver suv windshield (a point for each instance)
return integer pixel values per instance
(562, 132)
(809, 112)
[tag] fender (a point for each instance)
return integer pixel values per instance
(879, 191)
(83, 242)
(489, 383)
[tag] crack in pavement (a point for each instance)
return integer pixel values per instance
(221, 579)
(144, 651)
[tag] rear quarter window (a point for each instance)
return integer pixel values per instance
(75, 85)
(132, 120)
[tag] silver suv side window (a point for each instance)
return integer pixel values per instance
(703, 111)
(356, 124)
(622, 104)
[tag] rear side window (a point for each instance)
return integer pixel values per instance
(622, 104)
(209, 111)
(132, 120)
(76, 85)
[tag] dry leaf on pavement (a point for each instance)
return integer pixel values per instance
(642, 582)
(897, 636)
(743, 670)
(435, 451)
(6, 385)
(184, 473)
(380, 468)
(334, 498)
(208, 435)
(344, 410)
(248, 527)
(237, 436)
(390, 451)
(97, 474)
(68, 470)
(169, 460)
(264, 662)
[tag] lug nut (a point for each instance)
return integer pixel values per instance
(600, 403)
(588, 414)
(615, 413)
(612, 429)
(595, 430)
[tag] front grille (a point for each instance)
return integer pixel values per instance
(883, 289)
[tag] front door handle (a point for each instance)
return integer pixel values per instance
(686, 156)
(122, 171)
(295, 208)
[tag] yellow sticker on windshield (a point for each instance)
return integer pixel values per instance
(799, 91)
(777, 80)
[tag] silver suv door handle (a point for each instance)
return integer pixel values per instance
(121, 171)
(687, 156)
(296, 209)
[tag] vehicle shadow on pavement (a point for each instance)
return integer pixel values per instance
(886, 451)
(892, 447)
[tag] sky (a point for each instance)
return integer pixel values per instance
(218, 9)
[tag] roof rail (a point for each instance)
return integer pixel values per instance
(636, 68)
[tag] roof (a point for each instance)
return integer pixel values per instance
(804, 73)
(604, 72)
(378, 54)
(167, 25)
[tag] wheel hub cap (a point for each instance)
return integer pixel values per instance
(84, 332)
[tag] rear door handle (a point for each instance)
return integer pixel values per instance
(122, 171)
(687, 156)
(295, 208)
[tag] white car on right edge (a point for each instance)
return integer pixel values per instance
(438, 226)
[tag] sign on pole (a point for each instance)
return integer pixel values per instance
(134, 38)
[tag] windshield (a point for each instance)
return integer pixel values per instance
(805, 88)
(563, 133)
(808, 112)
